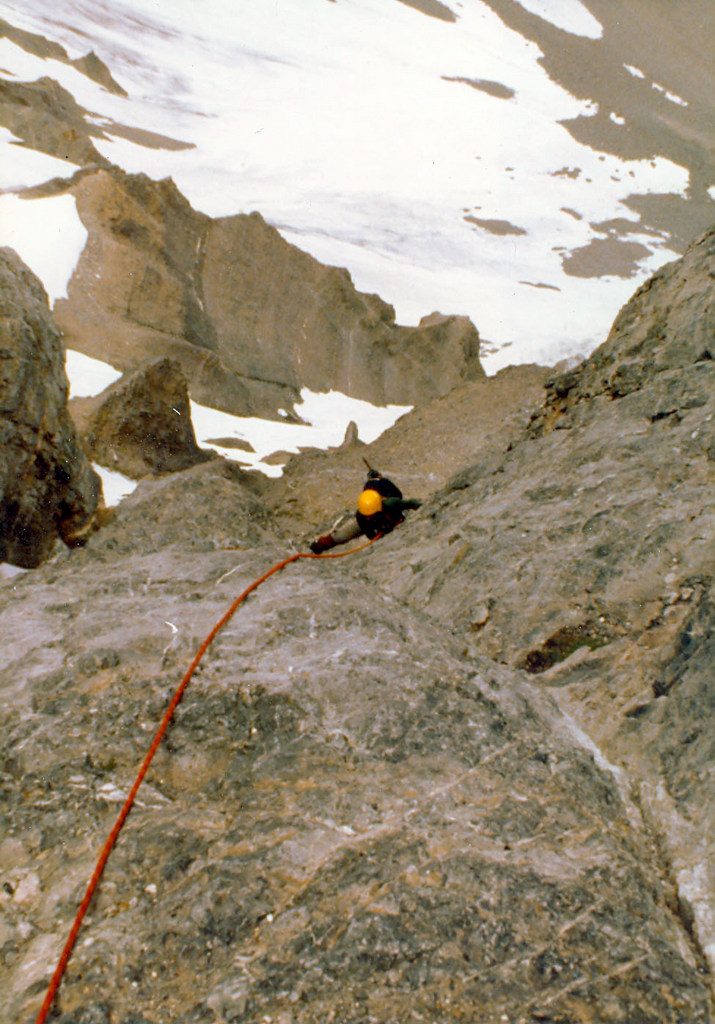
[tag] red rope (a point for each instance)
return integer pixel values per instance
(168, 714)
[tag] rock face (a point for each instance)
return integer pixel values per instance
(250, 318)
(353, 818)
(47, 117)
(590, 545)
(461, 776)
(142, 423)
(423, 451)
(47, 486)
(285, 318)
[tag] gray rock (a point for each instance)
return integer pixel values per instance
(590, 541)
(47, 487)
(350, 818)
(210, 506)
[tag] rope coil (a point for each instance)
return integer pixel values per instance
(144, 768)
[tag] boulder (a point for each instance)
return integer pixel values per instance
(141, 424)
(47, 486)
(212, 506)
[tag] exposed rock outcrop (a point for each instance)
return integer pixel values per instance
(359, 813)
(90, 64)
(251, 318)
(352, 819)
(47, 486)
(142, 423)
(590, 544)
(47, 117)
(667, 327)
(283, 317)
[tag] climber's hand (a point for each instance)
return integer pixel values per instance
(323, 543)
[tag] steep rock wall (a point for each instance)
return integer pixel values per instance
(251, 318)
(47, 487)
(583, 554)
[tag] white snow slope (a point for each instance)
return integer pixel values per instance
(351, 126)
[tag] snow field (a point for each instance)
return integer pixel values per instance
(338, 124)
(327, 417)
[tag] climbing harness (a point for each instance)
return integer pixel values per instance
(164, 725)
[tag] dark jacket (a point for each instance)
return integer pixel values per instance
(393, 505)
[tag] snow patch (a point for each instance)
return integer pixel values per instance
(21, 167)
(9, 572)
(323, 410)
(48, 235)
(636, 72)
(616, 118)
(673, 97)
(570, 15)
(327, 415)
(88, 376)
(115, 485)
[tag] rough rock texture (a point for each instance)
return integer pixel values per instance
(668, 326)
(424, 449)
(250, 318)
(48, 118)
(353, 819)
(142, 423)
(461, 776)
(585, 556)
(47, 486)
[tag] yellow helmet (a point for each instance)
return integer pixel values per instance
(369, 502)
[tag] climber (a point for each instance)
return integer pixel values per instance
(380, 508)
